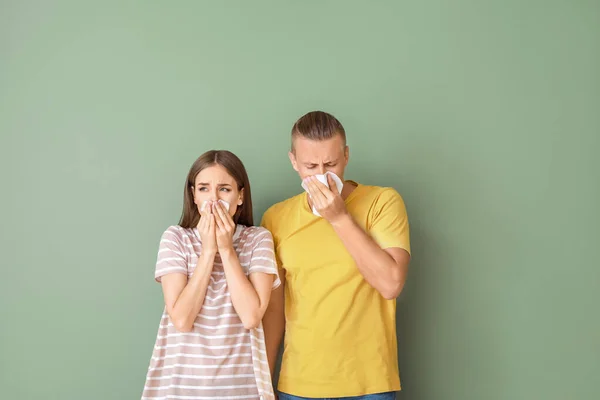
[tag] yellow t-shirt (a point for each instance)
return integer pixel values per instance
(340, 337)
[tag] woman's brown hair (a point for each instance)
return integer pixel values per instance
(234, 166)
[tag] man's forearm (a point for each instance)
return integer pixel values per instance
(274, 327)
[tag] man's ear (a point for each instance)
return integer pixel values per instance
(292, 157)
(347, 154)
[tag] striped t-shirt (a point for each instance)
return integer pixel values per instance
(219, 358)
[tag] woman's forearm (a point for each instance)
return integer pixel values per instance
(244, 297)
(184, 311)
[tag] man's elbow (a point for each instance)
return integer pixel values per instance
(392, 288)
(392, 285)
(391, 291)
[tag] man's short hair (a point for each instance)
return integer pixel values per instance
(317, 125)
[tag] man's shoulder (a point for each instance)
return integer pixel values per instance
(373, 192)
(379, 200)
(278, 210)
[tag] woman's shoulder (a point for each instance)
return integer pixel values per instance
(256, 234)
(254, 231)
(178, 233)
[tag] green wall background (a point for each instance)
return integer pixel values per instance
(484, 115)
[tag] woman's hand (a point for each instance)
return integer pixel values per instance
(207, 230)
(225, 227)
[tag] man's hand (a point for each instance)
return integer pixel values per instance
(329, 203)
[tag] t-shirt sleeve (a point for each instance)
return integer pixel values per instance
(263, 256)
(267, 223)
(171, 254)
(389, 227)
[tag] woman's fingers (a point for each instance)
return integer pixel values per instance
(219, 222)
(226, 220)
(211, 223)
(202, 223)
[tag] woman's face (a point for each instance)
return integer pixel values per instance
(213, 184)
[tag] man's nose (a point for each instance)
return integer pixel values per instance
(321, 169)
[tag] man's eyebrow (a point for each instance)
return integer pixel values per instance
(325, 162)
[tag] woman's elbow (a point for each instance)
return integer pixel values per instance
(251, 323)
(182, 325)
(184, 328)
(253, 319)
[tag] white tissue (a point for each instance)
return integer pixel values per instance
(323, 179)
(223, 202)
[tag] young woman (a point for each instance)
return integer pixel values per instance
(217, 271)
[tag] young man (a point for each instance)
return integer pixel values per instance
(342, 269)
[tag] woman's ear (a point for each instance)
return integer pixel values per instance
(193, 195)
(241, 198)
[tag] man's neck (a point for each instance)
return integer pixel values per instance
(347, 189)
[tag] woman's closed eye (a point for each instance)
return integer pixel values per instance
(223, 189)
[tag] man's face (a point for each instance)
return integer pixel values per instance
(314, 157)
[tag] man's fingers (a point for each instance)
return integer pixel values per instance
(328, 192)
(320, 194)
(313, 186)
(321, 187)
(315, 193)
(332, 186)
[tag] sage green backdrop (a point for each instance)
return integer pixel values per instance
(484, 115)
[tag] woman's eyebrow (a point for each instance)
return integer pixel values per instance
(208, 184)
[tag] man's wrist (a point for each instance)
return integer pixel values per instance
(342, 221)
